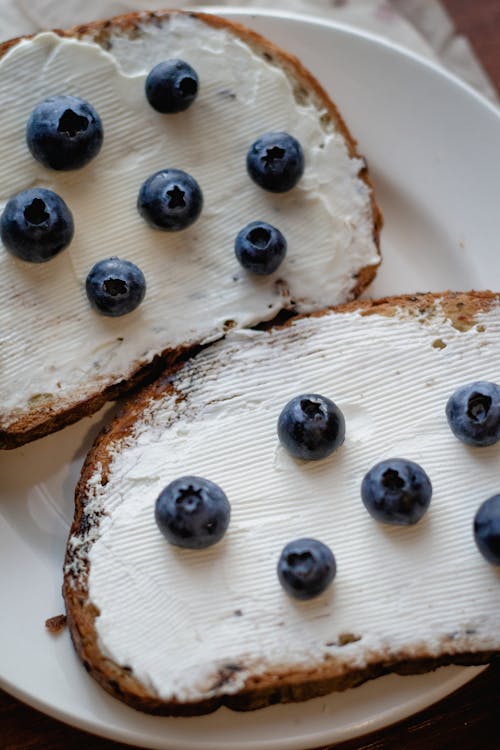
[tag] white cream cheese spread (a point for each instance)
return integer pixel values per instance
(178, 618)
(54, 349)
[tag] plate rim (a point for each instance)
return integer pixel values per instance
(128, 737)
(351, 30)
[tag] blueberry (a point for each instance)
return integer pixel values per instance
(306, 568)
(487, 529)
(36, 224)
(473, 413)
(170, 200)
(64, 132)
(192, 512)
(397, 492)
(115, 287)
(311, 427)
(276, 162)
(260, 248)
(171, 86)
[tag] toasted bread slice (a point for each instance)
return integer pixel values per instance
(175, 631)
(60, 359)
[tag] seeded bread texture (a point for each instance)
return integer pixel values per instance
(48, 415)
(334, 674)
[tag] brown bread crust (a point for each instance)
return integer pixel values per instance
(46, 419)
(287, 685)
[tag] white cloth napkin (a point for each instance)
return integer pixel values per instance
(420, 25)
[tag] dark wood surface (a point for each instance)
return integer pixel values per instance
(479, 21)
(467, 720)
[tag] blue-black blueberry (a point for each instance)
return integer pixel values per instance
(171, 86)
(306, 567)
(276, 162)
(311, 427)
(396, 491)
(260, 248)
(64, 132)
(473, 413)
(36, 224)
(192, 512)
(115, 287)
(487, 529)
(170, 200)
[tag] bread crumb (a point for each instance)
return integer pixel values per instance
(438, 344)
(346, 638)
(56, 625)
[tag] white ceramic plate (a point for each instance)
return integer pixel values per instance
(434, 150)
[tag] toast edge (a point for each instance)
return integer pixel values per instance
(44, 421)
(268, 689)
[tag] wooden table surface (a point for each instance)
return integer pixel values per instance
(467, 720)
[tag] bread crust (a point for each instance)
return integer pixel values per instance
(47, 419)
(277, 687)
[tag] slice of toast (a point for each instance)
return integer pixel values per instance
(175, 631)
(59, 358)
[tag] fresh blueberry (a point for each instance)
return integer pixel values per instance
(260, 248)
(192, 512)
(487, 529)
(397, 492)
(306, 568)
(115, 287)
(171, 86)
(473, 413)
(64, 132)
(311, 427)
(36, 224)
(276, 162)
(170, 200)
